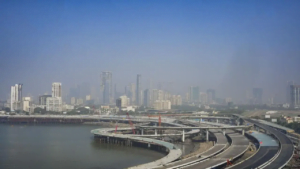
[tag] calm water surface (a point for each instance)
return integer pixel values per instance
(64, 146)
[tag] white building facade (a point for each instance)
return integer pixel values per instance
(162, 105)
(54, 104)
(56, 89)
(26, 104)
(16, 97)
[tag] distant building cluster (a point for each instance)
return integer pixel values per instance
(134, 96)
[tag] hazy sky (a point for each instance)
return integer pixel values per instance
(231, 46)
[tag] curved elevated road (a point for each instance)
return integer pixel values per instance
(238, 147)
(287, 148)
(267, 150)
(174, 152)
(217, 148)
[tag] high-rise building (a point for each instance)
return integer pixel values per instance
(147, 98)
(131, 93)
(211, 95)
(54, 104)
(122, 101)
(176, 100)
(167, 95)
(106, 87)
(73, 101)
(43, 99)
(16, 97)
(56, 89)
(155, 95)
(138, 90)
(204, 98)
(26, 104)
(288, 91)
(257, 95)
(88, 97)
(295, 96)
(158, 95)
(194, 93)
(79, 101)
(162, 104)
(187, 97)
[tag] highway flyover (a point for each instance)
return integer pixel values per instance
(286, 147)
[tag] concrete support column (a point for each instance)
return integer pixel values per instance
(183, 135)
(200, 120)
(243, 131)
(155, 131)
(207, 135)
(217, 120)
(142, 133)
(107, 139)
(224, 131)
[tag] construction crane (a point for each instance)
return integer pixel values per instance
(131, 124)
(159, 121)
(116, 127)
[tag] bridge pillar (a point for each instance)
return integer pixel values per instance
(243, 131)
(183, 136)
(224, 131)
(207, 135)
(142, 132)
(200, 120)
(155, 131)
(217, 120)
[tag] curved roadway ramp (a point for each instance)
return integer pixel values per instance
(286, 147)
(267, 150)
(174, 152)
(238, 147)
(217, 148)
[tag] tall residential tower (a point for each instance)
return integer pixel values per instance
(138, 91)
(106, 87)
(16, 97)
(56, 89)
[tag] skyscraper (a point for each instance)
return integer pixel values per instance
(194, 93)
(295, 95)
(204, 98)
(147, 98)
(56, 89)
(138, 90)
(257, 95)
(288, 91)
(211, 95)
(16, 97)
(54, 103)
(43, 99)
(132, 93)
(106, 87)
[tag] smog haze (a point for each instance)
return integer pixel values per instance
(229, 46)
